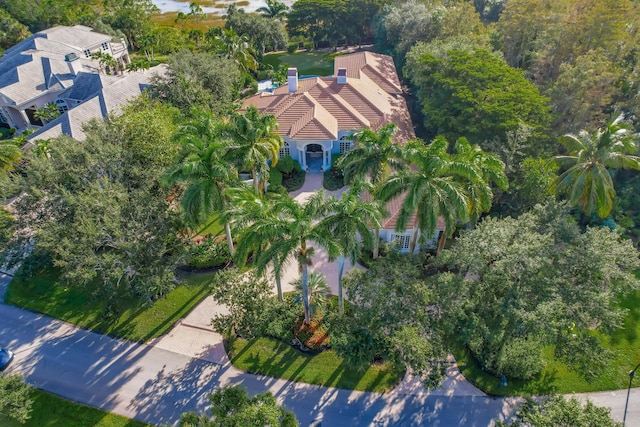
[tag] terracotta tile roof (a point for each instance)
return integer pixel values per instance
(379, 68)
(321, 106)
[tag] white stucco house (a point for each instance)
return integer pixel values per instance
(42, 68)
(316, 115)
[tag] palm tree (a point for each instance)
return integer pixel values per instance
(255, 142)
(318, 290)
(10, 154)
(274, 9)
(587, 181)
(348, 218)
(47, 112)
(374, 157)
(291, 229)
(432, 188)
(248, 206)
(203, 166)
(235, 47)
(489, 169)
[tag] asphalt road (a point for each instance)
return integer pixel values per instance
(156, 386)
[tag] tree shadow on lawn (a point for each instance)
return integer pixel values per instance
(87, 307)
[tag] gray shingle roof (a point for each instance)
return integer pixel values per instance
(108, 99)
(37, 64)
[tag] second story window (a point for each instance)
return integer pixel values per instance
(105, 46)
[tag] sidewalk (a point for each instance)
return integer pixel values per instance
(194, 337)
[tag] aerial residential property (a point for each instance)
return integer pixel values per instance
(317, 114)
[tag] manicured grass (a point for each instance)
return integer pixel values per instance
(557, 377)
(307, 63)
(276, 359)
(52, 411)
(212, 226)
(45, 293)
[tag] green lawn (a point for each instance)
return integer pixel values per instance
(276, 359)
(307, 63)
(52, 411)
(212, 226)
(45, 293)
(557, 378)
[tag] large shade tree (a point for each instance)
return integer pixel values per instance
(202, 165)
(587, 181)
(521, 285)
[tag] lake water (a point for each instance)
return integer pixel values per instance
(183, 6)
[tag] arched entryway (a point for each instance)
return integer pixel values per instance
(314, 156)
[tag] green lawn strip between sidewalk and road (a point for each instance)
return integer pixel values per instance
(45, 293)
(556, 376)
(52, 411)
(268, 356)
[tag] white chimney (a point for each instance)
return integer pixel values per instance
(292, 79)
(342, 76)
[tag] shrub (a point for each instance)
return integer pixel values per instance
(288, 166)
(292, 47)
(277, 189)
(275, 177)
(295, 182)
(209, 254)
(333, 180)
(309, 45)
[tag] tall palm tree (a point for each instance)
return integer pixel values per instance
(433, 187)
(373, 158)
(248, 207)
(291, 229)
(255, 142)
(205, 169)
(274, 9)
(489, 169)
(587, 180)
(347, 218)
(374, 155)
(10, 154)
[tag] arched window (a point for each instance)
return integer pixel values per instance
(284, 151)
(345, 144)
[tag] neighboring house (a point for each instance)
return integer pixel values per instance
(317, 115)
(96, 96)
(41, 68)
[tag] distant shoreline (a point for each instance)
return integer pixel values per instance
(218, 8)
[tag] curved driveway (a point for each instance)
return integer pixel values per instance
(156, 385)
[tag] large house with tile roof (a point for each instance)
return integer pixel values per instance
(44, 67)
(317, 115)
